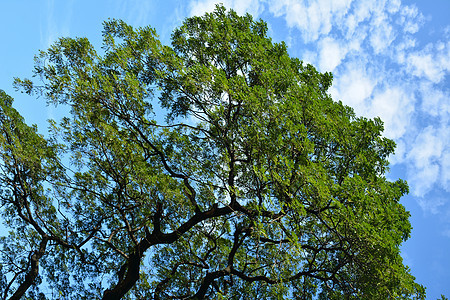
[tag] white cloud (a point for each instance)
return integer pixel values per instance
(410, 19)
(382, 36)
(431, 63)
(435, 102)
(427, 157)
(422, 180)
(360, 13)
(354, 86)
(394, 6)
(423, 65)
(394, 106)
(331, 54)
(402, 48)
(427, 147)
(312, 18)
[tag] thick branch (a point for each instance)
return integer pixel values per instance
(30, 277)
(157, 237)
(207, 281)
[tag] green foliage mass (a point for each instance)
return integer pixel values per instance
(216, 168)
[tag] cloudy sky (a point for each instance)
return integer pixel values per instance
(390, 58)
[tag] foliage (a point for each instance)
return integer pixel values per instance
(219, 167)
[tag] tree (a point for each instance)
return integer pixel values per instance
(215, 168)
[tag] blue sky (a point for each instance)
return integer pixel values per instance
(390, 58)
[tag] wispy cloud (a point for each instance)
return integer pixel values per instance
(136, 12)
(331, 53)
(425, 157)
(199, 7)
(431, 63)
(446, 219)
(55, 26)
(313, 18)
(356, 84)
(394, 105)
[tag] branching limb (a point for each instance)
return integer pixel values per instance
(33, 272)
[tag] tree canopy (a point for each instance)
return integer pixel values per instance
(218, 167)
